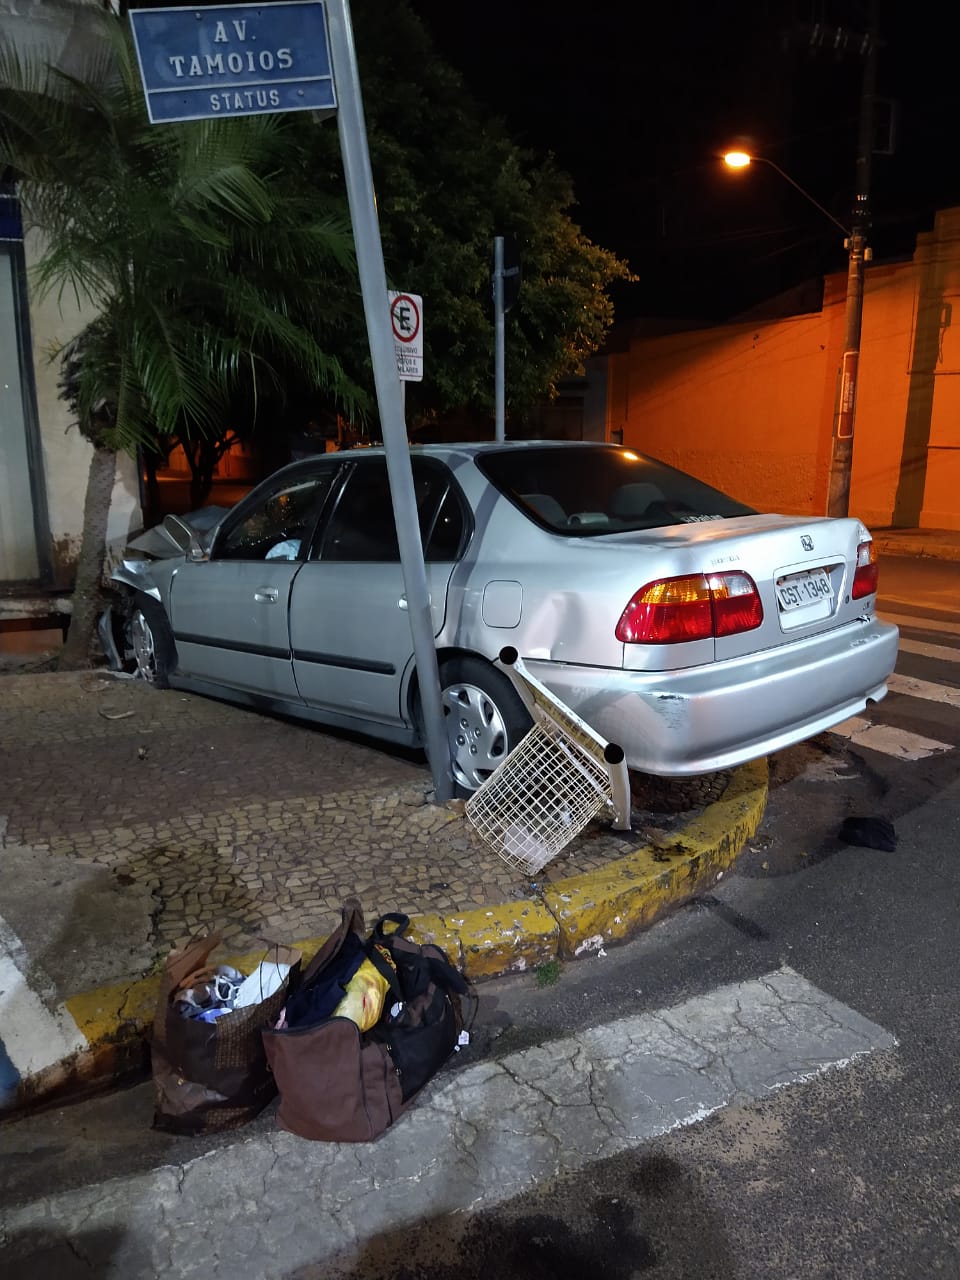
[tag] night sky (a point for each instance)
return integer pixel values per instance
(637, 101)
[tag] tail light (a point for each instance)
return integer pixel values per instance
(868, 571)
(695, 607)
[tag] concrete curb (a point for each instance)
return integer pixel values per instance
(570, 918)
(917, 545)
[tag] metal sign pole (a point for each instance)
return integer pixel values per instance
(498, 371)
(373, 285)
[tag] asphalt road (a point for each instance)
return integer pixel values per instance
(852, 1173)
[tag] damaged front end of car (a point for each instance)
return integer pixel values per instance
(148, 564)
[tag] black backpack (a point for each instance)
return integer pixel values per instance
(422, 1016)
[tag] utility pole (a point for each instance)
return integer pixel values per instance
(841, 453)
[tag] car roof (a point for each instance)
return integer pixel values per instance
(472, 448)
(455, 449)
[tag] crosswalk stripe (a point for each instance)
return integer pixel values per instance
(925, 689)
(942, 651)
(920, 624)
(477, 1138)
(889, 740)
(32, 1037)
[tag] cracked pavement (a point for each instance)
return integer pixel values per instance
(479, 1136)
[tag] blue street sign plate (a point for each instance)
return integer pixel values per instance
(234, 60)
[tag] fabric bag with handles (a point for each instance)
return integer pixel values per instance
(211, 1076)
(338, 1084)
(421, 1027)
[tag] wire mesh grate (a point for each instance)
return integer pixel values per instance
(541, 797)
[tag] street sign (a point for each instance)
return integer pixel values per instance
(406, 321)
(234, 60)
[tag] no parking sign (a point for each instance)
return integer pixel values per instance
(406, 321)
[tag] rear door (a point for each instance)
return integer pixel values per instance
(230, 613)
(349, 624)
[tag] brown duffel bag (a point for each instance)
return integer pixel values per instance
(338, 1084)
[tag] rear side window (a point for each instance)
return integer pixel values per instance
(583, 492)
(362, 527)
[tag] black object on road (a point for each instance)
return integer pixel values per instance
(870, 833)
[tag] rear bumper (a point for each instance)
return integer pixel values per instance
(680, 723)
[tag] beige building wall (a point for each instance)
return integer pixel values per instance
(66, 455)
(749, 407)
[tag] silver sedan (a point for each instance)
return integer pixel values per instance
(687, 628)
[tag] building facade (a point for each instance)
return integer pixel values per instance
(43, 459)
(749, 406)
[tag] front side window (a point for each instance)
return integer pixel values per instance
(278, 526)
(590, 491)
(362, 527)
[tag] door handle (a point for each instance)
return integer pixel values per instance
(402, 603)
(267, 595)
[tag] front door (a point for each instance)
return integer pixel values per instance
(230, 614)
(349, 624)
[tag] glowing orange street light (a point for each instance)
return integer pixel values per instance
(737, 159)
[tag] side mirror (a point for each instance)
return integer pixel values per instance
(180, 533)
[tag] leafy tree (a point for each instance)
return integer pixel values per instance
(188, 240)
(448, 180)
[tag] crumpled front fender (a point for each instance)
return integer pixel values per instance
(136, 574)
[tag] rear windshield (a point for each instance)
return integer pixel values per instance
(603, 490)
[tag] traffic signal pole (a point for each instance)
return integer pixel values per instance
(498, 333)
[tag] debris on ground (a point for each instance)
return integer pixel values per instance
(869, 833)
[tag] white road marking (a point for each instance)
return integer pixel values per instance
(925, 689)
(920, 624)
(33, 1037)
(942, 651)
(891, 741)
(476, 1138)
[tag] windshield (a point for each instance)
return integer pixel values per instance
(601, 490)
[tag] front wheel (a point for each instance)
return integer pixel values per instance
(484, 719)
(152, 642)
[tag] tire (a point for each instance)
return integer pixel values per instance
(484, 719)
(151, 639)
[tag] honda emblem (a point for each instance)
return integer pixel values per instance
(806, 542)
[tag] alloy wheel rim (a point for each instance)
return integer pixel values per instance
(476, 733)
(144, 649)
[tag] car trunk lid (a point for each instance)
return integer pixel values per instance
(803, 570)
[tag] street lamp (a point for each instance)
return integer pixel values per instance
(855, 242)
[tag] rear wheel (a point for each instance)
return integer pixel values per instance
(152, 642)
(484, 719)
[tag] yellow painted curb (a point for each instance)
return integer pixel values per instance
(490, 941)
(615, 902)
(573, 917)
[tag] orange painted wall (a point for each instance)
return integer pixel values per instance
(749, 407)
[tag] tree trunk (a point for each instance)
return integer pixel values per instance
(87, 594)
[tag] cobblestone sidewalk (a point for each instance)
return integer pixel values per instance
(247, 823)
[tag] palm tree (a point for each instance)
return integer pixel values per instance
(193, 244)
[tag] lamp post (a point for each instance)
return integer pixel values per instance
(855, 242)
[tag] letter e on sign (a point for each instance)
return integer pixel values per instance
(406, 321)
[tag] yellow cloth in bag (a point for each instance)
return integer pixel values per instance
(363, 1002)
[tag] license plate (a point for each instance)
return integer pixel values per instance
(800, 589)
